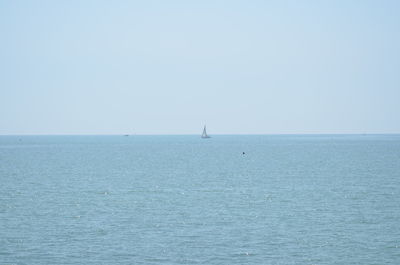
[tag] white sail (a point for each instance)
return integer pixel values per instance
(204, 134)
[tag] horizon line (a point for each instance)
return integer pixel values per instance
(216, 134)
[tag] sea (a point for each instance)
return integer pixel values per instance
(230, 199)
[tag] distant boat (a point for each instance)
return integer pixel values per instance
(204, 134)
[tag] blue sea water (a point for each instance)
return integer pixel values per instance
(294, 199)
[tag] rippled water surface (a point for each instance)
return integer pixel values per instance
(184, 200)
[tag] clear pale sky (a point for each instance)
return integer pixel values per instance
(168, 67)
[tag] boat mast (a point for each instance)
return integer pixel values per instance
(204, 134)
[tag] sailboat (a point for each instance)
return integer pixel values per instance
(204, 134)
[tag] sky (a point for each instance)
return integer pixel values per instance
(169, 67)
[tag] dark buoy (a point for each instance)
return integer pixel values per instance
(243, 153)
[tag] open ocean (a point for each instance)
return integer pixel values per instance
(290, 199)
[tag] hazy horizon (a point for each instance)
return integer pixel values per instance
(215, 134)
(158, 68)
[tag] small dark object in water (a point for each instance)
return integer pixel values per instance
(244, 153)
